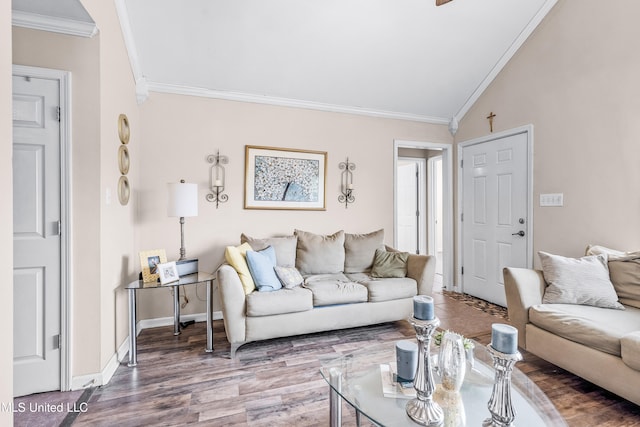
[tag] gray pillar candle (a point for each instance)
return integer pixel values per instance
(423, 307)
(504, 338)
(406, 360)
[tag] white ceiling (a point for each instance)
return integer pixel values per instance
(393, 58)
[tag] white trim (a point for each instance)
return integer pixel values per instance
(517, 43)
(431, 213)
(142, 89)
(447, 201)
(66, 219)
(53, 24)
(287, 102)
(528, 130)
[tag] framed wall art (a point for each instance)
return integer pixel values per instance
(149, 261)
(284, 178)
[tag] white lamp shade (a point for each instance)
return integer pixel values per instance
(183, 199)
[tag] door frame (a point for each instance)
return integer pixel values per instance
(528, 131)
(447, 201)
(431, 211)
(66, 276)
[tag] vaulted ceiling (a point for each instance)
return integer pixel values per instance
(406, 59)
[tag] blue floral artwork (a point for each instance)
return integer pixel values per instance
(286, 179)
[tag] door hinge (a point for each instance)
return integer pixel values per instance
(462, 163)
(58, 113)
(462, 217)
(57, 341)
(461, 270)
(58, 230)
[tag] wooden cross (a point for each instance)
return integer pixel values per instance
(490, 117)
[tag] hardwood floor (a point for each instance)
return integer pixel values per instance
(277, 383)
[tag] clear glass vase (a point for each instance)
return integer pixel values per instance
(452, 361)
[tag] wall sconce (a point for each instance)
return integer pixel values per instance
(217, 178)
(346, 183)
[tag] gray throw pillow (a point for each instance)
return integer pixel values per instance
(320, 254)
(389, 264)
(360, 249)
(285, 247)
(583, 281)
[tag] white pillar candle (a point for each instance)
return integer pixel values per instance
(218, 183)
(504, 338)
(350, 186)
(423, 307)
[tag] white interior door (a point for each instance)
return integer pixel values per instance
(411, 215)
(36, 235)
(495, 213)
(435, 211)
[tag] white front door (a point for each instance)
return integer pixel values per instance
(495, 212)
(36, 235)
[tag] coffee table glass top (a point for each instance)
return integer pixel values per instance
(361, 385)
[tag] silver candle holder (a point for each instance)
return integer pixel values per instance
(423, 409)
(500, 404)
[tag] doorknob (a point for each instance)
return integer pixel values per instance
(519, 233)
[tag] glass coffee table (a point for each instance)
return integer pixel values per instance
(357, 378)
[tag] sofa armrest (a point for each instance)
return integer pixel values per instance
(524, 288)
(422, 268)
(232, 300)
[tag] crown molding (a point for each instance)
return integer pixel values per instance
(53, 24)
(515, 46)
(287, 102)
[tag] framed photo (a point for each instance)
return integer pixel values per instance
(149, 261)
(283, 178)
(168, 272)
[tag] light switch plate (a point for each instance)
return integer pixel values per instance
(552, 199)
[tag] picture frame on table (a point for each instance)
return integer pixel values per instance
(168, 272)
(284, 178)
(149, 261)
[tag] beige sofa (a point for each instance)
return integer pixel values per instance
(601, 345)
(339, 289)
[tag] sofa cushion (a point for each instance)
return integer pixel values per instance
(578, 281)
(261, 264)
(330, 289)
(290, 277)
(386, 289)
(360, 250)
(625, 276)
(236, 257)
(630, 349)
(595, 327)
(279, 302)
(320, 254)
(389, 264)
(285, 247)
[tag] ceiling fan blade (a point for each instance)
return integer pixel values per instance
(441, 2)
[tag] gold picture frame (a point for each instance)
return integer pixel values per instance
(149, 261)
(285, 178)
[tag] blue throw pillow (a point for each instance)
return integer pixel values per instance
(261, 265)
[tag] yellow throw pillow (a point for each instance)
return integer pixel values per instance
(236, 256)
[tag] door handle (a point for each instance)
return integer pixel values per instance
(519, 233)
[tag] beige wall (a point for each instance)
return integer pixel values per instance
(576, 81)
(6, 216)
(179, 133)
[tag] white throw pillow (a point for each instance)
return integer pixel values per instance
(583, 281)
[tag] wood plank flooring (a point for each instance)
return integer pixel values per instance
(277, 383)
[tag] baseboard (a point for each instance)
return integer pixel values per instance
(103, 377)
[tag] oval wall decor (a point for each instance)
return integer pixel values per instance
(123, 128)
(123, 159)
(123, 190)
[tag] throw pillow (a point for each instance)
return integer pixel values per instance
(582, 281)
(319, 254)
(236, 257)
(290, 277)
(285, 247)
(360, 250)
(625, 276)
(261, 264)
(389, 264)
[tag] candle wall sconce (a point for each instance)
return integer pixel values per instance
(217, 178)
(346, 183)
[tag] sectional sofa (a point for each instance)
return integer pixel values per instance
(327, 282)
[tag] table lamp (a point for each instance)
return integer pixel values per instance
(183, 202)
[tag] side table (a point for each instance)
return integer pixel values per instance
(191, 279)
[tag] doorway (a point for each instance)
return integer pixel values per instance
(41, 232)
(432, 186)
(495, 200)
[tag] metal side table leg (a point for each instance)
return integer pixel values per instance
(335, 404)
(209, 310)
(133, 348)
(176, 310)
